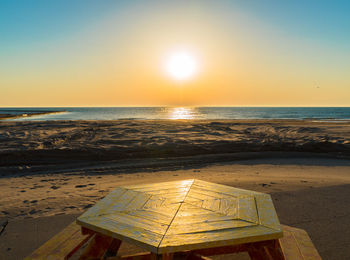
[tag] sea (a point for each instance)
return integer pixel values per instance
(331, 114)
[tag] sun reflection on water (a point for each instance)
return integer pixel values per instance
(182, 113)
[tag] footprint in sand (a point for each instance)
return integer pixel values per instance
(69, 207)
(33, 211)
(36, 187)
(46, 180)
(80, 186)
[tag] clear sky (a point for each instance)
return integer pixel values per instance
(113, 53)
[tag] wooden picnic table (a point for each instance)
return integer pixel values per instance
(190, 216)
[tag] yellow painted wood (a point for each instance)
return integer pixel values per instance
(174, 243)
(247, 209)
(266, 210)
(184, 215)
(296, 244)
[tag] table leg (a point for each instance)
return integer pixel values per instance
(268, 250)
(97, 247)
(113, 248)
(167, 256)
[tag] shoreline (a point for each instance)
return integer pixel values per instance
(4, 116)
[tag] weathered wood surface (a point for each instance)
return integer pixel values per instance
(63, 245)
(183, 215)
(296, 244)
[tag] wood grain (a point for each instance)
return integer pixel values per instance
(184, 215)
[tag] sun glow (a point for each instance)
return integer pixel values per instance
(181, 65)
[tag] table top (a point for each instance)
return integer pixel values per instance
(183, 215)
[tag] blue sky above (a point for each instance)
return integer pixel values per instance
(24, 20)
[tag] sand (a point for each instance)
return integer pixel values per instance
(54, 142)
(39, 196)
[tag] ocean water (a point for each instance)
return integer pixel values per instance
(157, 113)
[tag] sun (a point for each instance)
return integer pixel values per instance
(181, 65)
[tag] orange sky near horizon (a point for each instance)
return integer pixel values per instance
(119, 61)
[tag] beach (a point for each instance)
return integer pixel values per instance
(52, 171)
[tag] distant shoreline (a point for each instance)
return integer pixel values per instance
(28, 114)
(179, 113)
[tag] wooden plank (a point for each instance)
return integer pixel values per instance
(138, 222)
(104, 203)
(121, 203)
(70, 245)
(229, 207)
(139, 236)
(193, 211)
(168, 191)
(208, 217)
(267, 214)
(222, 188)
(200, 196)
(191, 241)
(154, 216)
(216, 226)
(162, 185)
(62, 245)
(169, 209)
(138, 202)
(294, 237)
(211, 192)
(247, 209)
(213, 204)
(289, 246)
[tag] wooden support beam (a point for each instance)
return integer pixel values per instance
(221, 250)
(139, 256)
(195, 256)
(167, 256)
(97, 247)
(113, 248)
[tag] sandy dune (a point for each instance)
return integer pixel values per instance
(34, 143)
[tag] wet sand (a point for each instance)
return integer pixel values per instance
(39, 196)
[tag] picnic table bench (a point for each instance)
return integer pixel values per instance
(188, 219)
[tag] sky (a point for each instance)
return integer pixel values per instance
(113, 53)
